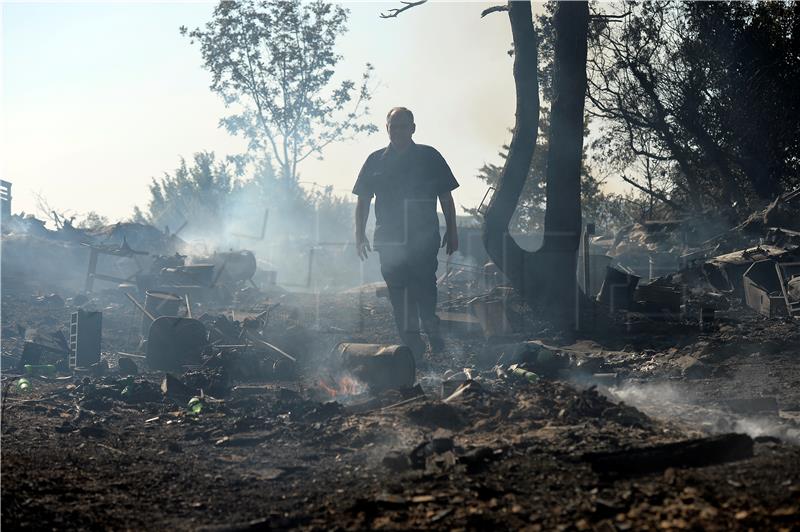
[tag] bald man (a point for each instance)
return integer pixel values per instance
(406, 179)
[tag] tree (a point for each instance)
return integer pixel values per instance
(216, 203)
(193, 194)
(92, 221)
(529, 214)
(605, 210)
(275, 61)
(548, 274)
(750, 50)
(705, 90)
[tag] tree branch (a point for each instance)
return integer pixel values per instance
(337, 132)
(494, 9)
(256, 99)
(609, 17)
(392, 13)
(654, 193)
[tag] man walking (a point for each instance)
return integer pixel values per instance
(406, 179)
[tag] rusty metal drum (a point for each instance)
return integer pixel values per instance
(380, 366)
(235, 265)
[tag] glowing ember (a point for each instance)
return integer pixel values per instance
(345, 385)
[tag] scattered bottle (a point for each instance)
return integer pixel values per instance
(524, 373)
(195, 405)
(24, 385)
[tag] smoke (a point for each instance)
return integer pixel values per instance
(671, 402)
(648, 395)
(38, 262)
(306, 237)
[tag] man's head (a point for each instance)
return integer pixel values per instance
(400, 126)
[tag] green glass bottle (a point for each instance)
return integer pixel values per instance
(195, 405)
(524, 373)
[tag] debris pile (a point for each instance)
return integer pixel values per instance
(254, 406)
(660, 269)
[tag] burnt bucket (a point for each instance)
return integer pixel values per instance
(381, 367)
(159, 304)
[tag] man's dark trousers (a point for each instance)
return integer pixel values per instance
(409, 270)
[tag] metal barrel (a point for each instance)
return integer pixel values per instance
(194, 274)
(159, 304)
(381, 367)
(239, 265)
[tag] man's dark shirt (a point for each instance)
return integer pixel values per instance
(406, 187)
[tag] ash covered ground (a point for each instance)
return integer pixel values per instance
(507, 453)
(250, 379)
(488, 448)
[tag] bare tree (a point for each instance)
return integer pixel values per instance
(547, 275)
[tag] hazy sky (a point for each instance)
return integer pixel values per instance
(98, 98)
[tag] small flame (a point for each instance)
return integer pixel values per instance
(330, 391)
(345, 385)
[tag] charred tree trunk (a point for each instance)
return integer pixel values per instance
(546, 276)
(562, 222)
(502, 249)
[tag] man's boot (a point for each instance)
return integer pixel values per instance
(433, 332)
(414, 342)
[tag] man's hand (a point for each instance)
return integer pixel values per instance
(362, 212)
(362, 247)
(450, 241)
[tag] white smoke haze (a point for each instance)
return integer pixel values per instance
(672, 402)
(651, 394)
(311, 249)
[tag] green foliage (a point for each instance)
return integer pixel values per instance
(704, 91)
(750, 52)
(607, 211)
(274, 61)
(92, 221)
(216, 202)
(529, 215)
(192, 194)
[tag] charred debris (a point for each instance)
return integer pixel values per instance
(657, 409)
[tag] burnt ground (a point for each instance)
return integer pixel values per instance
(78, 453)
